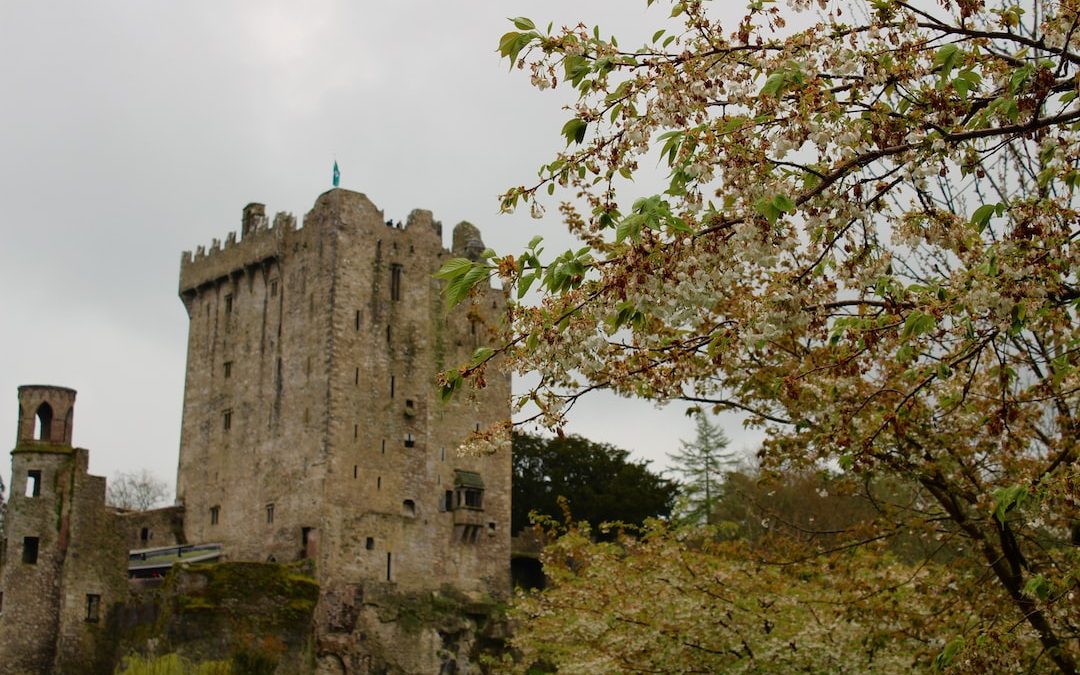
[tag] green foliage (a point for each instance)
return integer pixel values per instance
(173, 664)
(599, 481)
(681, 601)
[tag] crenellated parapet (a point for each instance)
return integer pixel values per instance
(258, 243)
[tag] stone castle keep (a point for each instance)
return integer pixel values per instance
(312, 430)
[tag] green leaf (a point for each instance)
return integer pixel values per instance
(1037, 587)
(982, 215)
(521, 23)
(574, 130)
(783, 203)
(453, 268)
(945, 658)
(482, 354)
(1007, 499)
(918, 323)
(511, 44)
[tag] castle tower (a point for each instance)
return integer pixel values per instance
(312, 424)
(53, 607)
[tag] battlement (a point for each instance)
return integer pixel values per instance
(259, 242)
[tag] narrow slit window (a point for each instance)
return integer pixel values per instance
(228, 303)
(388, 565)
(93, 607)
(228, 369)
(215, 514)
(384, 446)
(378, 482)
(391, 386)
(357, 319)
(355, 430)
(356, 377)
(273, 288)
(388, 335)
(269, 514)
(144, 535)
(395, 281)
(226, 420)
(355, 470)
(33, 483)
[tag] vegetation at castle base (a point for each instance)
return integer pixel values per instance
(866, 242)
(599, 482)
(252, 617)
(173, 664)
(242, 662)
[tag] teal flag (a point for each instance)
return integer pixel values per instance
(337, 174)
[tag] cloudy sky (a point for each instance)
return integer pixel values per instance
(133, 130)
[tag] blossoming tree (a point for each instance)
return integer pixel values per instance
(866, 242)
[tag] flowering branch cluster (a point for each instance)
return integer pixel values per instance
(867, 242)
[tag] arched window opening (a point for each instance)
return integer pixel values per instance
(43, 427)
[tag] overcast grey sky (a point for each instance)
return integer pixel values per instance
(133, 130)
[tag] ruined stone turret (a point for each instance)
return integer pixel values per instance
(65, 560)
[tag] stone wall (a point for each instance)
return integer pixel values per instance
(153, 528)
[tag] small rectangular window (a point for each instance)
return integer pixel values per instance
(395, 281)
(273, 288)
(409, 441)
(448, 501)
(228, 369)
(369, 543)
(228, 304)
(226, 420)
(30, 550)
(215, 513)
(93, 607)
(33, 483)
(269, 513)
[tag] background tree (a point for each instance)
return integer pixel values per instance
(701, 464)
(867, 241)
(600, 482)
(136, 490)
